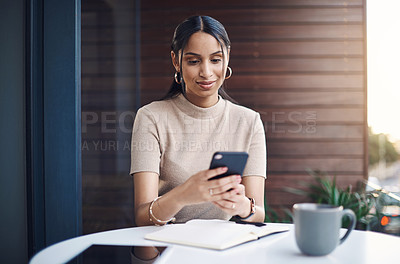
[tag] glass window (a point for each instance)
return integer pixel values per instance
(108, 106)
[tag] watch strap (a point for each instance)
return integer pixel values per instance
(252, 209)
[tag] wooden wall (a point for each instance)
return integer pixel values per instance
(300, 63)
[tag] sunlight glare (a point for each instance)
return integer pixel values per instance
(383, 45)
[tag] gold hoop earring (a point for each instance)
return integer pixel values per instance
(177, 80)
(230, 73)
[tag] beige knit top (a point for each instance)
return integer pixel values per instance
(176, 139)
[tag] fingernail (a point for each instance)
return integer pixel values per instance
(224, 169)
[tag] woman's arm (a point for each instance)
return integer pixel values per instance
(145, 191)
(193, 191)
(254, 188)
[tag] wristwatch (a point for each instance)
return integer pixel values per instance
(252, 209)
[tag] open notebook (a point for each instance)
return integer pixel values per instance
(212, 234)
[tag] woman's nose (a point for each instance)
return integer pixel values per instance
(205, 70)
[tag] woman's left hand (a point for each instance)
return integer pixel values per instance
(234, 202)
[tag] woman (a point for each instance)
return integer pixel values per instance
(174, 139)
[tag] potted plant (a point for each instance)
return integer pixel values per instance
(325, 190)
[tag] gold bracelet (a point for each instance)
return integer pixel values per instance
(154, 219)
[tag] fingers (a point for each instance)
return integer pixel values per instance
(215, 172)
(226, 205)
(230, 194)
(213, 190)
(232, 202)
(222, 185)
(230, 199)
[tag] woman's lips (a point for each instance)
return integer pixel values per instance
(206, 84)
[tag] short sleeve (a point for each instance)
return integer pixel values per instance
(145, 144)
(257, 162)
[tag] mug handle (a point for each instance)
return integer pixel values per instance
(352, 224)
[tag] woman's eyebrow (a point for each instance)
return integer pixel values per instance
(195, 54)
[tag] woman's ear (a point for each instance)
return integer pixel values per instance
(228, 56)
(175, 61)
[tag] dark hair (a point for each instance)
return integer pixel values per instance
(182, 34)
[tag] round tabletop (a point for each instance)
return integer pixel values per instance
(360, 247)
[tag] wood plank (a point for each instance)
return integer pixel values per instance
(120, 5)
(295, 81)
(264, 33)
(311, 132)
(160, 4)
(277, 182)
(293, 32)
(295, 99)
(249, 65)
(107, 213)
(263, 82)
(329, 165)
(101, 196)
(116, 52)
(96, 166)
(297, 48)
(101, 83)
(283, 99)
(119, 181)
(105, 18)
(236, 33)
(276, 198)
(321, 149)
(272, 99)
(292, 65)
(246, 15)
(258, 49)
(256, 16)
(109, 35)
(256, 100)
(240, 66)
(115, 67)
(308, 115)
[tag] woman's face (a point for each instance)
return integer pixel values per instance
(202, 68)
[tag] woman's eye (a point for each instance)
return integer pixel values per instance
(216, 60)
(193, 61)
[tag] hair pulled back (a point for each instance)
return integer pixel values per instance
(181, 37)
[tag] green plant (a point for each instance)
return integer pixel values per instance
(272, 216)
(325, 190)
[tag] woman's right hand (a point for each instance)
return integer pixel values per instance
(197, 188)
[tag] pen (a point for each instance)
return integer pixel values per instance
(250, 223)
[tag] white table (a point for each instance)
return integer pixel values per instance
(360, 247)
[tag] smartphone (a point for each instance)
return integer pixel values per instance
(235, 161)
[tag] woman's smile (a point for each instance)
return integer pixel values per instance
(206, 85)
